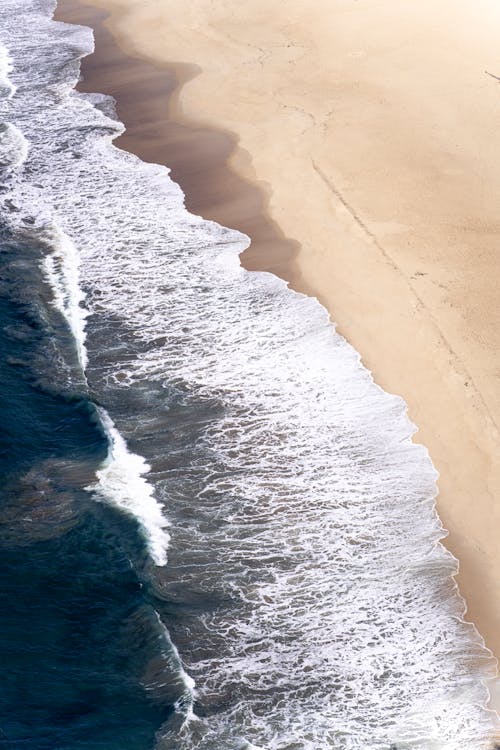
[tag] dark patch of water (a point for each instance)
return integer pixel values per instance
(81, 647)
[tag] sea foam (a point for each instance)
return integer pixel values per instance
(121, 482)
(314, 603)
(61, 269)
(13, 147)
(7, 89)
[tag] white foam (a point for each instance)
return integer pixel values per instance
(185, 703)
(314, 524)
(61, 270)
(7, 88)
(13, 147)
(121, 482)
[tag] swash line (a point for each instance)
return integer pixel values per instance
(359, 221)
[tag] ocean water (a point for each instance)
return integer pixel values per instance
(215, 530)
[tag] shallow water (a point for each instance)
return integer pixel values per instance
(300, 581)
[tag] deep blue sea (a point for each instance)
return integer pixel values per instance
(216, 532)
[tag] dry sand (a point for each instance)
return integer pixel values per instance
(358, 143)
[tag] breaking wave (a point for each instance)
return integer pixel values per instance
(306, 588)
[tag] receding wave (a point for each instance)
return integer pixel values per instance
(306, 590)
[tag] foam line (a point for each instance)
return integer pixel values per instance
(121, 482)
(325, 614)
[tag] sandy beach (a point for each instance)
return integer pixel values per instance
(357, 144)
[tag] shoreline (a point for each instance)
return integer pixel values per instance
(470, 413)
(197, 156)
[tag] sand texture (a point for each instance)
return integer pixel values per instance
(357, 142)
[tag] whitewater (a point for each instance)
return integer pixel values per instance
(304, 596)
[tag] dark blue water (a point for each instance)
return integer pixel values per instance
(306, 591)
(77, 634)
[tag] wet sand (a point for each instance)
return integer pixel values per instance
(357, 144)
(197, 155)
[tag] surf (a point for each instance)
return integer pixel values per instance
(306, 590)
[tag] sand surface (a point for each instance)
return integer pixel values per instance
(358, 143)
